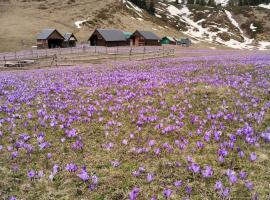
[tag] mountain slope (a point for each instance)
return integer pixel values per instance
(237, 27)
(21, 20)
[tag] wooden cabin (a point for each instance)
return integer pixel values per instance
(108, 38)
(145, 38)
(70, 40)
(50, 38)
(168, 40)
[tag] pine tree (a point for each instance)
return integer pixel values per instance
(240, 3)
(151, 8)
(212, 3)
(202, 3)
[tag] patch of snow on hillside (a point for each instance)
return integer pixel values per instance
(78, 24)
(264, 6)
(178, 12)
(264, 45)
(252, 27)
(229, 15)
(247, 42)
(222, 2)
(157, 15)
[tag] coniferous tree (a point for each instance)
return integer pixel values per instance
(240, 3)
(151, 8)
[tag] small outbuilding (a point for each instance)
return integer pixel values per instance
(168, 40)
(145, 38)
(128, 35)
(185, 42)
(108, 38)
(50, 38)
(70, 40)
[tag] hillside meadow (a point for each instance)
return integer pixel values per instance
(193, 127)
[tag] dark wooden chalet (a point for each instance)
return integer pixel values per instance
(70, 40)
(50, 38)
(108, 38)
(145, 38)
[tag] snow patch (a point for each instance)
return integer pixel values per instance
(78, 24)
(264, 6)
(223, 3)
(264, 45)
(252, 27)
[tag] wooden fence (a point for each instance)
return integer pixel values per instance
(81, 54)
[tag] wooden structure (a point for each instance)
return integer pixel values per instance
(127, 36)
(186, 42)
(50, 38)
(168, 40)
(108, 38)
(145, 38)
(70, 40)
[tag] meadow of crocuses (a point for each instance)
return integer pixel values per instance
(171, 128)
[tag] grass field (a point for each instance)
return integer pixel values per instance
(194, 127)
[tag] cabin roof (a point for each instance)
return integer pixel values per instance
(111, 35)
(46, 33)
(67, 37)
(148, 35)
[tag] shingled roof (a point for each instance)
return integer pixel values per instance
(67, 37)
(46, 33)
(148, 35)
(111, 35)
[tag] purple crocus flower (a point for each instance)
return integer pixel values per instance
(151, 143)
(188, 190)
(167, 193)
(134, 193)
(13, 198)
(207, 172)
(253, 156)
(178, 184)
(71, 167)
(218, 185)
(232, 176)
(194, 168)
(226, 192)
(83, 175)
(94, 179)
(115, 163)
(242, 175)
(249, 185)
(31, 174)
(150, 177)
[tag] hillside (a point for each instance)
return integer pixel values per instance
(236, 27)
(242, 27)
(22, 20)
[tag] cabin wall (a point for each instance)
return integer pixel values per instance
(42, 44)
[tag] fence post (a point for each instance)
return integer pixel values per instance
(95, 48)
(163, 51)
(130, 51)
(15, 53)
(143, 52)
(56, 60)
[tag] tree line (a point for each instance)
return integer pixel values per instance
(212, 3)
(149, 7)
